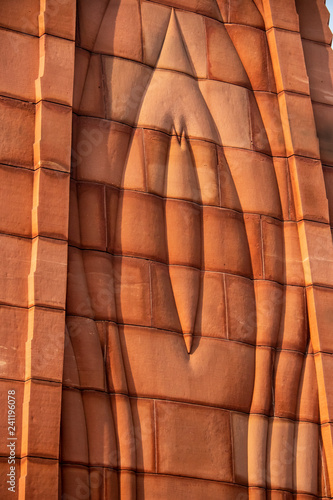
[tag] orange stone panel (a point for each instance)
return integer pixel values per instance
(102, 446)
(50, 211)
(211, 315)
(273, 249)
(299, 126)
(100, 150)
(14, 270)
(169, 372)
(226, 247)
(127, 484)
(70, 376)
(99, 273)
(294, 273)
(47, 282)
(253, 233)
(55, 82)
(241, 311)
(43, 407)
(270, 301)
(132, 286)
(126, 83)
(58, 18)
(307, 174)
(21, 16)
(320, 313)
(259, 138)
(77, 301)
(174, 103)
(185, 283)
(111, 210)
(323, 115)
(313, 20)
(88, 85)
(210, 9)
(257, 446)
(281, 14)
(270, 113)
(324, 368)
(262, 392)
(183, 233)
(46, 350)
(288, 367)
(156, 146)
(181, 177)
(140, 226)
(307, 436)
(134, 177)
(285, 189)
(103, 482)
(155, 21)
(144, 431)
(4, 470)
(255, 182)
(207, 456)
(115, 372)
(17, 125)
(18, 388)
(19, 56)
(39, 476)
(294, 325)
(228, 194)
(91, 205)
(87, 351)
(239, 432)
(245, 12)
(163, 487)
(206, 170)
(164, 311)
(74, 444)
(318, 270)
(328, 178)
(194, 35)
(279, 495)
(52, 146)
(224, 63)
(91, 16)
(225, 103)
(125, 450)
(173, 44)
(251, 45)
(74, 480)
(119, 32)
(280, 454)
(16, 191)
(319, 65)
(286, 46)
(308, 407)
(13, 336)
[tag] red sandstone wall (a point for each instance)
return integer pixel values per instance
(36, 82)
(272, 196)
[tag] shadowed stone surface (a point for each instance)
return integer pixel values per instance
(167, 259)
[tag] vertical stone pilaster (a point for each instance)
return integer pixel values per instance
(48, 270)
(309, 193)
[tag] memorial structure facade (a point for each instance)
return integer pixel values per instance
(167, 270)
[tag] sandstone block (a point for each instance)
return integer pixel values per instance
(20, 58)
(208, 455)
(16, 196)
(17, 129)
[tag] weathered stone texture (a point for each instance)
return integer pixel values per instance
(166, 279)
